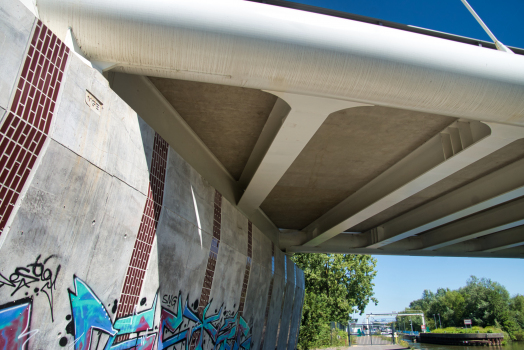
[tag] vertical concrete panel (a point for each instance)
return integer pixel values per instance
(181, 261)
(274, 312)
(16, 23)
(228, 282)
(261, 249)
(295, 317)
(257, 294)
(234, 228)
(287, 307)
(86, 221)
(180, 177)
(112, 139)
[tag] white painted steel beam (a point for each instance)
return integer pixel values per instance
(303, 120)
(491, 243)
(499, 187)
(339, 245)
(269, 132)
(435, 160)
(500, 218)
(151, 105)
(258, 46)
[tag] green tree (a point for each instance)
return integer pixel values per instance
(336, 285)
(485, 302)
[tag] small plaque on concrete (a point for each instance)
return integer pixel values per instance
(93, 102)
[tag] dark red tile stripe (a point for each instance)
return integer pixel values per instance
(247, 269)
(269, 294)
(27, 124)
(213, 254)
(146, 232)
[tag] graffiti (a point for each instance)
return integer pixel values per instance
(15, 322)
(232, 333)
(24, 278)
(169, 300)
(89, 313)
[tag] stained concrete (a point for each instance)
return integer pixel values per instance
(82, 211)
(296, 314)
(228, 119)
(351, 148)
(180, 178)
(16, 25)
(74, 212)
(256, 301)
(275, 309)
(112, 140)
(289, 299)
(234, 228)
(497, 160)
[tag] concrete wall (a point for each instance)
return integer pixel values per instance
(109, 239)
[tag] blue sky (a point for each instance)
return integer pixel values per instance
(402, 279)
(503, 17)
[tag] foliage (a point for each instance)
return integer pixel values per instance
(336, 285)
(456, 330)
(485, 302)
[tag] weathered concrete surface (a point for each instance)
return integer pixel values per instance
(270, 341)
(112, 140)
(228, 119)
(285, 318)
(16, 23)
(79, 226)
(296, 313)
(352, 147)
(74, 213)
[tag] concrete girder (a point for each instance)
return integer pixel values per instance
(306, 115)
(151, 105)
(448, 152)
(494, 189)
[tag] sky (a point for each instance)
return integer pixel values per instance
(401, 280)
(503, 17)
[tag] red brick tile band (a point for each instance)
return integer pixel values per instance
(146, 232)
(213, 254)
(27, 123)
(247, 269)
(211, 264)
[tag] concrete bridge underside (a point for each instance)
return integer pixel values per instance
(383, 139)
(362, 179)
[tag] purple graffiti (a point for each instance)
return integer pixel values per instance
(15, 322)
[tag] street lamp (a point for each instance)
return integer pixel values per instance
(439, 321)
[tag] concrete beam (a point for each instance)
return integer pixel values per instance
(456, 147)
(157, 112)
(499, 187)
(303, 120)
